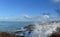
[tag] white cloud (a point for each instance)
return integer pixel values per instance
(46, 16)
(56, 1)
(27, 16)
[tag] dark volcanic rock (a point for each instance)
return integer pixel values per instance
(56, 34)
(4, 34)
(29, 28)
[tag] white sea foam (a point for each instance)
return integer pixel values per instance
(44, 30)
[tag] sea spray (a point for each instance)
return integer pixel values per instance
(44, 30)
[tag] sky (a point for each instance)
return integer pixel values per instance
(20, 8)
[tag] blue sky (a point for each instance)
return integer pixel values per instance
(16, 8)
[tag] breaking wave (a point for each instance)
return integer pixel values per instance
(44, 30)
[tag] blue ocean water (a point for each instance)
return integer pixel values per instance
(12, 25)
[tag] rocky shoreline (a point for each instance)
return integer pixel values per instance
(4, 34)
(54, 34)
(30, 28)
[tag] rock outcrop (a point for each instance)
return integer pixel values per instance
(56, 34)
(4, 34)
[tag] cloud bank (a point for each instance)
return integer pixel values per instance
(29, 18)
(25, 18)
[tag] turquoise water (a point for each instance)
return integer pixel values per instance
(12, 25)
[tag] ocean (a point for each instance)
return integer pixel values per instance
(40, 30)
(12, 25)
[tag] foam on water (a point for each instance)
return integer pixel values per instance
(44, 30)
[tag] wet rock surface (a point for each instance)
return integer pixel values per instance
(4, 34)
(56, 34)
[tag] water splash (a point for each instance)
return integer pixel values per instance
(44, 30)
